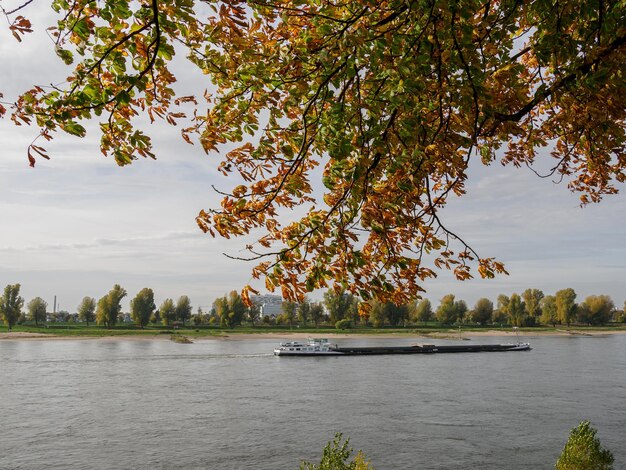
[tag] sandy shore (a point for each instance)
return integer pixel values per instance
(451, 334)
(23, 335)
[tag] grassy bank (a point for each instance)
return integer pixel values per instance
(435, 330)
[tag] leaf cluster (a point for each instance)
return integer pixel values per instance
(385, 102)
(336, 455)
(584, 451)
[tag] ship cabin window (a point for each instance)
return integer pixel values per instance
(297, 349)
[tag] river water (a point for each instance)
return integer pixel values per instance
(129, 404)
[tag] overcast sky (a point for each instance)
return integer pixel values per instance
(77, 224)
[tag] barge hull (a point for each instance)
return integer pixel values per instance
(427, 349)
(431, 349)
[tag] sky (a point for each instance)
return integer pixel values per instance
(78, 224)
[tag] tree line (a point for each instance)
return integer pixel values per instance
(531, 308)
(338, 308)
(107, 311)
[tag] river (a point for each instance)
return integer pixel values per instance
(136, 404)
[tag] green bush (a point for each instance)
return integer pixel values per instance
(584, 452)
(343, 324)
(335, 457)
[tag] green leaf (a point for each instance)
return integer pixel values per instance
(65, 55)
(81, 28)
(74, 128)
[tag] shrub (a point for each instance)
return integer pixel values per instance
(343, 324)
(583, 451)
(335, 457)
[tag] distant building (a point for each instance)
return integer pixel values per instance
(61, 316)
(269, 305)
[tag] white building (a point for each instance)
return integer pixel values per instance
(270, 305)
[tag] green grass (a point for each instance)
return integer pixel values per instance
(74, 329)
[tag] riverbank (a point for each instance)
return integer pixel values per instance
(451, 334)
(235, 335)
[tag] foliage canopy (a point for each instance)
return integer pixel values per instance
(11, 304)
(142, 307)
(37, 310)
(109, 306)
(336, 455)
(584, 451)
(87, 309)
(386, 101)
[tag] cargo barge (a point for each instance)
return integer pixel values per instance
(322, 347)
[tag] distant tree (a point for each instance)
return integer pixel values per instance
(583, 451)
(221, 310)
(254, 312)
(63, 316)
(503, 303)
(532, 302)
(516, 310)
(142, 307)
(549, 314)
(449, 310)
(230, 310)
(116, 294)
(339, 304)
(396, 314)
(446, 313)
(483, 311)
(198, 318)
(317, 313)
(304, 312)
(237, 308)
(500, 317)
(353, 309)
(87, 310)
(461, 310)
(501, 314)
(37, 310)
(381, 313)
(109, 306)
(583, 314)
(596, 310)
(422, 311)
(183, 309)
(566, 305)
(102, 311)
(289, 310)
(155, 318)
(377, 315)
(11, 305)
(167, 312)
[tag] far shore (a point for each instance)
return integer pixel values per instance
(286, 335)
